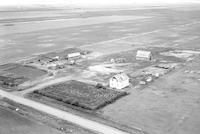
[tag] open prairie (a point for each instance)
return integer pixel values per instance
(125, 29)
(166, 105)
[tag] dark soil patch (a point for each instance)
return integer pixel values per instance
(18, 70)
(11, 82)
(81, 95)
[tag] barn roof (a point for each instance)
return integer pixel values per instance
(143, 53)
(75, 54)
(121, 77)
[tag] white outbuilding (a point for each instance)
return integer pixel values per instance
(144, 55)
(74, 55)
(119, 81)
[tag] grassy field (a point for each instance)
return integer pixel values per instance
(165, 106)
(13, 123)
(12, 75)
(19, 119)
(168, 21)
(28, 72)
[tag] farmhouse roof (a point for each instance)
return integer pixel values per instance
(121, 77)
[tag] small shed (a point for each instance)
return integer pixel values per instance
(74, 55)
(119, 81)
(144, 55)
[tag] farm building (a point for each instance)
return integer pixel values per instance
(75, 55)
(119, 81)
(56, 58)
(144, 55)
(56, 65)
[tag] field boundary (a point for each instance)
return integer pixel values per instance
(85, 123)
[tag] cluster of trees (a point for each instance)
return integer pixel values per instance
(10, 82)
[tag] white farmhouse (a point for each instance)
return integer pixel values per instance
(119, 81)
(144, 55)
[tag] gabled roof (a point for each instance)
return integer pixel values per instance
(120, 77)
(75, 54)
(143, 53)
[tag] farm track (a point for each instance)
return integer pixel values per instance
(85, 123)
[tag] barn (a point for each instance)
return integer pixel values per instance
(75, 55)
(119, 81)
(144, 55)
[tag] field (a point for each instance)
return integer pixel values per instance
(12, 75)
(18, 119)
(81, 95)
(28, 72)
(12, 122)
(152, 29)
(165, 106)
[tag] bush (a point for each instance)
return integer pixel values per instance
(99, 85)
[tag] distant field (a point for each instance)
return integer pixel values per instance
(127, 29)
(23, 27)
